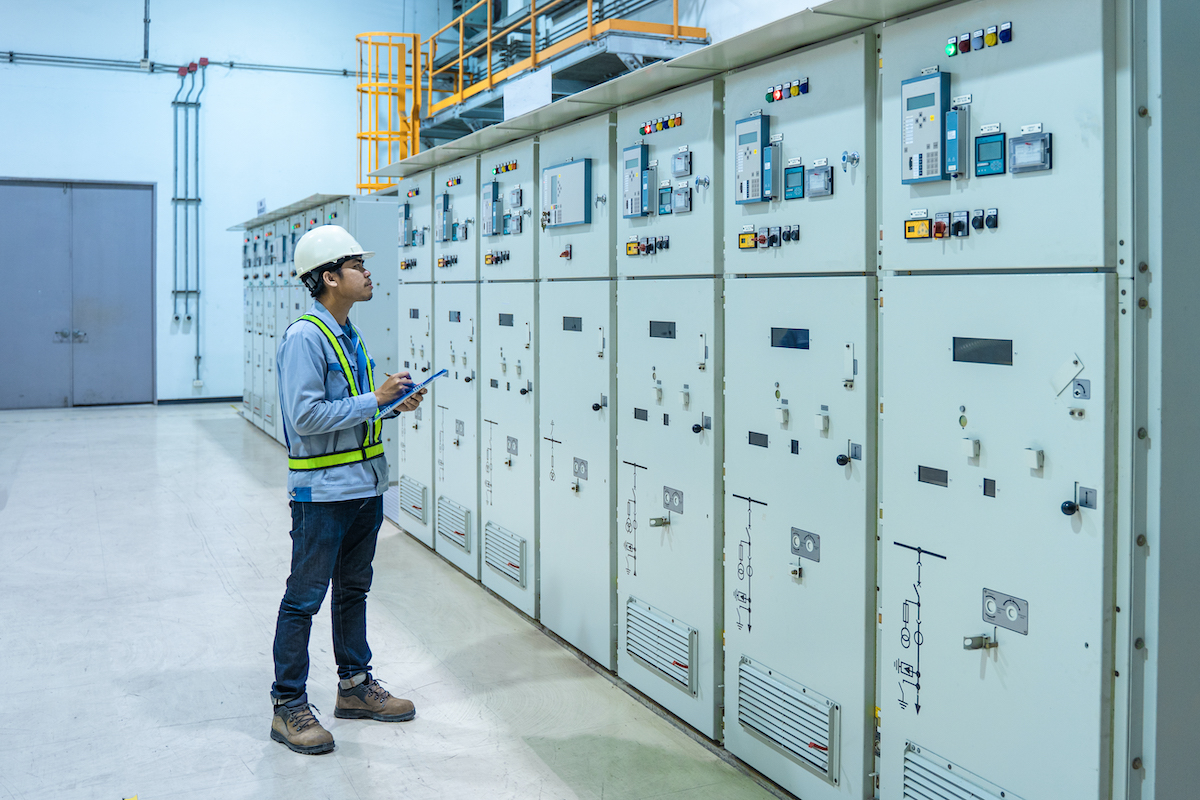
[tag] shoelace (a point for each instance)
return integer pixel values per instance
(377, 692)
(302, 717)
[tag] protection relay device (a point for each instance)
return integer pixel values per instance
(924, 101)
(493, 209)
(406, 225)
(635, 181)
(749, 178)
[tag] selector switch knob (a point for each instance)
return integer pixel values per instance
(843, 460)
(992, 220)
(697, 428)
(1070, 507)
(977, 221)
(467, 379)
(595, 406)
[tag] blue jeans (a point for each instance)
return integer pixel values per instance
(330, 541)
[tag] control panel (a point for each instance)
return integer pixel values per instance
(924, 100)
(750, 180)
(567, 194)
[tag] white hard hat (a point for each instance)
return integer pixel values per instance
(324, 245)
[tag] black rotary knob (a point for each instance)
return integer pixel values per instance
(467, 379)
(424, 369)
(697, 428)
(1070, 507)
(524, 391)
(595, 406)
(843, 460)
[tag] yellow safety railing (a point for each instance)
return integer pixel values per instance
(394, 69)
(466, 83)
(390, 71)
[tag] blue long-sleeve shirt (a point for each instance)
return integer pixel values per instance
(320, 416)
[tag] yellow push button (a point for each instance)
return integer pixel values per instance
(991, 38)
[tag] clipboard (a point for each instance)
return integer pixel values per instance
(390, 407)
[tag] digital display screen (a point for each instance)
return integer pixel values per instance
(794, 179)
(921, 101)
(572, 323)
(983, 351)
(748, 138)
(990, 151)
(758, 439)
(938, 477)
(662, 330)
(664, 196)
(506, 320)
(632, 163)
(794, 338)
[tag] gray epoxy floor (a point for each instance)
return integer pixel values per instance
(143, 553)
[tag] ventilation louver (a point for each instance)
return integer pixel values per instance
(928, 776)
(790, 717)
(412, 498)
(454, 522)
(504, 552)
(666, 646)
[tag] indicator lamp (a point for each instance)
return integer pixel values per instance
(1006, 32)
(952, 46)
(804, 86)
(964, 43)
(990, 38)
(779, 94)
(795, 90)
(770, 97)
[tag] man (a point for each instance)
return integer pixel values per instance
(336, 479)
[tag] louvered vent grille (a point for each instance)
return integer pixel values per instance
(454, 522)
(790, 717)
(412, 498)
(504, 552)
(662, 643)
(269, 414)
(928, 776)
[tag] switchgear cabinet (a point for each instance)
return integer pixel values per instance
(508, 236)
(1050, 80)
(415, 228)
(800, 463)
(577, 426)
(679, 242)
(455, 213)
(413, 468)
(826, 131)
(584, 249)
(669, 508)
(456, 424)
(508, 392)
(996, 543)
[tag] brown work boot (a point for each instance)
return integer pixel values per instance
(364, 698)
(296, 728)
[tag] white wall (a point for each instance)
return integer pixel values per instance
(280, 136)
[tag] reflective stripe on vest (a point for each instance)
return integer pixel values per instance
(371, 446)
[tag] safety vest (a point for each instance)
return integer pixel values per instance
(371, 446)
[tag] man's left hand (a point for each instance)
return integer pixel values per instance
(411, 403)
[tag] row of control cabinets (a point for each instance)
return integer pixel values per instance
(274, 296)
(747, 518)
(671, 429)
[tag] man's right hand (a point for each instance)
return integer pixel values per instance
(392, 388)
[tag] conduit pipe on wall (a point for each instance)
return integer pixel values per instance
(187, 201)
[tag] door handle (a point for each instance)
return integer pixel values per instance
(63, 336)
(79, 336)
